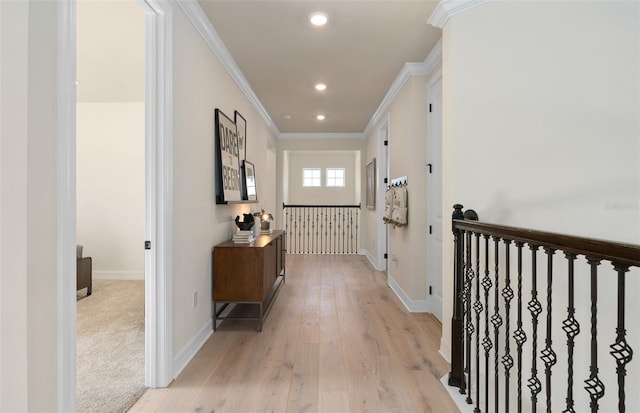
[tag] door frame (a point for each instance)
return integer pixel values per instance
(158, 193)
(437, 76)
(383, 172)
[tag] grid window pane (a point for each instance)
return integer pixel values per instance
(311, 177)
(335, 177)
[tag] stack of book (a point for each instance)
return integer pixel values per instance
(243, 237)
(265, 231)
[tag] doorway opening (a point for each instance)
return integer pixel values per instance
(158, 194)
(110, 203)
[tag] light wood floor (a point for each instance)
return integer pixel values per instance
(337, 339)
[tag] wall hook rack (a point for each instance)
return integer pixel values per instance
(399, 181)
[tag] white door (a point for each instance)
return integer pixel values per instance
(381, 186)
(434, 197)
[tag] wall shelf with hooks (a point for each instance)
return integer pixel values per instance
(399, 181)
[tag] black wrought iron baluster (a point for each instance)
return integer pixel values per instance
(572, 328)
(335, 230)
(287, 227)
(316, 225)
(298, 230)
(507, 295)
(323, 230)
(519, 335)
(548, 355)
(344, 213)
(496, 320)
(486, 341)
(302, 231)
(357, 227)
(352, 248)
(467, 312)
(534, 385)
(594, 386)
(477, 307)
(456, 375)
(310, 229)
(621, 351)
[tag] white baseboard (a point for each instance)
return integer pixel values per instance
(414, 306)
(118, 275)
(445, 349)
(367, 254)
(189, 351)
(458, 399)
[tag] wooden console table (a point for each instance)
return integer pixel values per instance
(248, 274)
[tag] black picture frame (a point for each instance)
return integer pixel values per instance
(241, 132)
(250, 184)
(228, 175)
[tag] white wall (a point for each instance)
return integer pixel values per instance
(323, 195)
(200, 85)
(286, 170)
(14, 26)
(542, 130)
(28, 199)
(110, 187)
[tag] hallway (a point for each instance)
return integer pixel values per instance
(336, 340)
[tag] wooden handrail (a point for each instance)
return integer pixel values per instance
(319, 206)
(627, 254)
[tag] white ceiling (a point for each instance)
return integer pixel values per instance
(357, 54)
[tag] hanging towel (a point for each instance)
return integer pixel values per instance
(388, 204)
(399, 211)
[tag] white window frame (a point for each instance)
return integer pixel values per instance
(335, 181)
(311, 181)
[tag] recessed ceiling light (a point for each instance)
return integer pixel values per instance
(318, 19)
(287, 116)
(321, 86)
(320, 117)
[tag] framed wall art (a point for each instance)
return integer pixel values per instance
(241, 132)
(371, 184)
(228, 179)
(251, 193)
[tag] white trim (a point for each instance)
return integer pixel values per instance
(119, 275)
(321, 136)
(408, 70)
(191, 349)
(458, 398)
(382, 172)
(372, 260)
(447, 8)
(413, 306)
(445, 348)
(66, 204)
(201, 22)
(159, 192)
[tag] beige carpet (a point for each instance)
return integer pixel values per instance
(110, 346)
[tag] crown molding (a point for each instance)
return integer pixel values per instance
(447, 8)
(321, 136)
(198, 18)
(408, 70)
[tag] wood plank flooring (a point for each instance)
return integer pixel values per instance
(337, 339)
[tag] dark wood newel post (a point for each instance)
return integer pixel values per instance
(456, 376)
